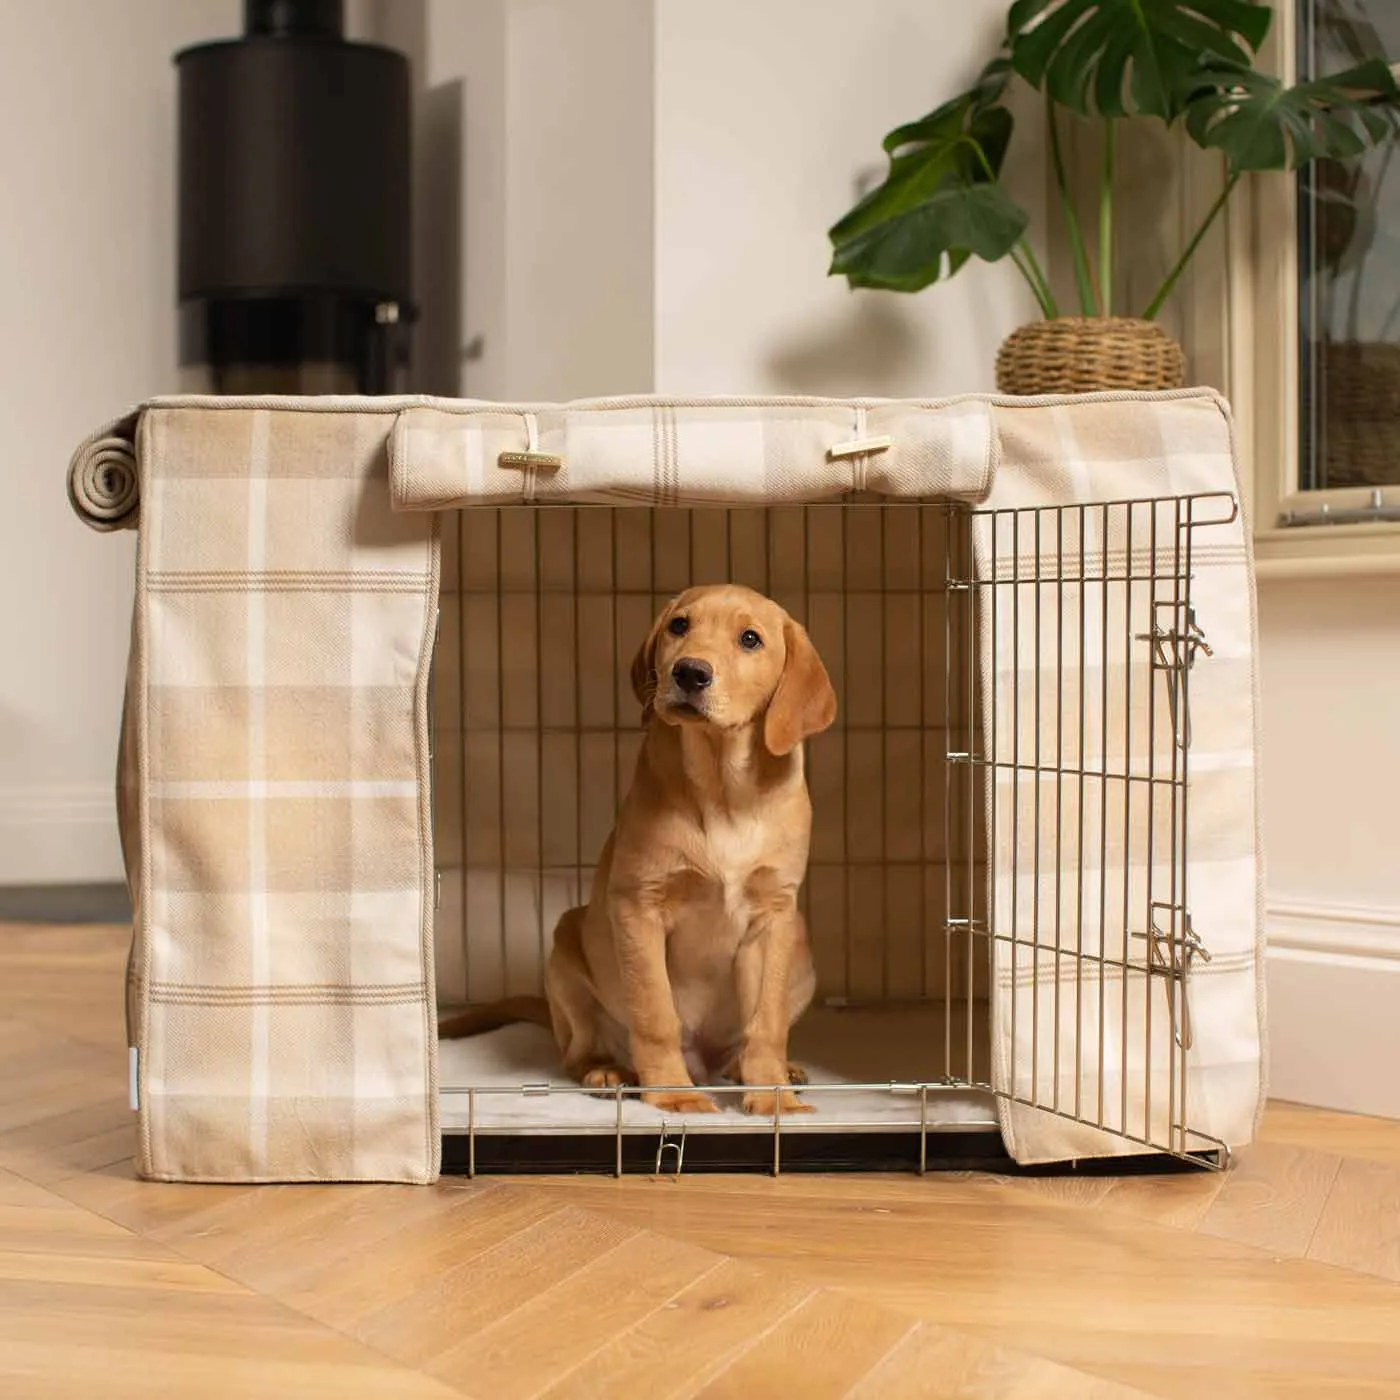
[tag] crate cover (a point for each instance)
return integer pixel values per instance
(274, 774)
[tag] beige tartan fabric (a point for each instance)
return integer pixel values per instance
(103, 485)
(1076, 863)
(273, 802)
(692, 453)
(274, 768)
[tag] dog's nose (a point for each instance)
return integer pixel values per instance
(691, 675)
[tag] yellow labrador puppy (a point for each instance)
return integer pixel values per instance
(690, 961)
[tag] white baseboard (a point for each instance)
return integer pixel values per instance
(1334, 1006)
(61, 834)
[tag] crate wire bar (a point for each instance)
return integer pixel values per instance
(964, 645)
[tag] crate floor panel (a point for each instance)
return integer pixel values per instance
(886, 1051)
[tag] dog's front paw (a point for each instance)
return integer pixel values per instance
(681, 1101)
(608, 1077)
(764, 1102)
(796, 1074)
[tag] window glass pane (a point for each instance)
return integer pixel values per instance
(1349, 271)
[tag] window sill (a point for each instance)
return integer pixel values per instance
(1327, 551)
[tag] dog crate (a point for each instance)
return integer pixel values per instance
(379, 725)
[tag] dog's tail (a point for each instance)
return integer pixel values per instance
(492, 1015)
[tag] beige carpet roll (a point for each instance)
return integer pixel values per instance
(103, 483)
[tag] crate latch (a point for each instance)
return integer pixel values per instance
(670, 1146)
(1174, 649)
(1170, 955)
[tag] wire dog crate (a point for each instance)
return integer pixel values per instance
(1033, 889)
(937, 757)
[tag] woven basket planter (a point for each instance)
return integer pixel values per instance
(1081, 354)
(1361, 413)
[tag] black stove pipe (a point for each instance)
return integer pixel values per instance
(294, 207)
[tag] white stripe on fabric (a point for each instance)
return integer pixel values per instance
(260, 972)
(156, 896)
(261, 790)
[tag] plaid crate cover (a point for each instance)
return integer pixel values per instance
(273, 794)
(1063, 1035)
(274, 771)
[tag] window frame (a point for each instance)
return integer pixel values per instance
(1260, 338)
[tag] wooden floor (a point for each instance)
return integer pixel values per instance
(1280, 1279)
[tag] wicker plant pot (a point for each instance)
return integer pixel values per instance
(1081, 354)
(1361, 413)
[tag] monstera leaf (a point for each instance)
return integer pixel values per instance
(940, 202)
(1117, 57)
(932, 238)
(959, 114)
(1259, 124)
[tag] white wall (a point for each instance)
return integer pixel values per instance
(549, 187)
(643, 189)
(767, 114)
(87, 327)
(1331, 680)
(1330, 669)
(579, 262)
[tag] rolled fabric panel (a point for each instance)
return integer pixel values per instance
(104, 479)
(654, 451)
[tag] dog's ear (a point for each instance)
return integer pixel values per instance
(804, 702)
(644, 668)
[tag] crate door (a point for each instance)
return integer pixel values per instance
(1073, 738)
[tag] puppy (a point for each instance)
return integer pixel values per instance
(690, 961)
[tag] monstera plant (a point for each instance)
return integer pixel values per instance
(1187, 64)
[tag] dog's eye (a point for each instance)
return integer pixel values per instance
(750, 640)
(678, 626)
